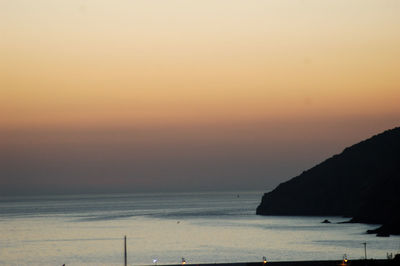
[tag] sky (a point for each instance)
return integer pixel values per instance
(149, 96)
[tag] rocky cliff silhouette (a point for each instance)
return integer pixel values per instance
(362, 182)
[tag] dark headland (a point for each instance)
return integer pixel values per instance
(362, 182)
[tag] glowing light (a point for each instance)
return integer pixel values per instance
(264, 260)
(344, 259)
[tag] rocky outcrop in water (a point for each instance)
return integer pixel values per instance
(362, 182)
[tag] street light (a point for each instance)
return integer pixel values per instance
(365, 249)
(264, 260)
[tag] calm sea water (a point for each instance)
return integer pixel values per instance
(201, 227)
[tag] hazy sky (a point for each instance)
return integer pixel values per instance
(189, 95)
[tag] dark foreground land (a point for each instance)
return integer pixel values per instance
(307, 263)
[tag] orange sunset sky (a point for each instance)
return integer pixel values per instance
(175, 95)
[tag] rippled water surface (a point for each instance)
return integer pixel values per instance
(201, 227)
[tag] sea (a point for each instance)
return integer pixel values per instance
(164, 228)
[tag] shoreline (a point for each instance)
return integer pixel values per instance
(359, 262)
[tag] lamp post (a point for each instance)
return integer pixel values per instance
(365, 249)
(125, 255)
